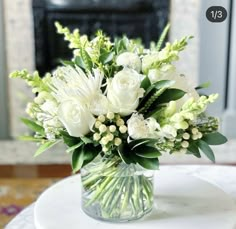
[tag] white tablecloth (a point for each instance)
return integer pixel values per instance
(222, 176)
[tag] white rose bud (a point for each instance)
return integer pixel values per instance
(120, 122)
(130, 60)
(76, 118)
(195, 131)
(124, 92)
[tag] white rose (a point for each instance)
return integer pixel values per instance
(130, 60)
(124, 91)
(76, 118)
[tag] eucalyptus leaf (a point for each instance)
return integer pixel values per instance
(205, 148)
(47, 145)
(33, 126)
(193, 149)
(214, 138)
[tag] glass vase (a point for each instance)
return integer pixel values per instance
(116, 192)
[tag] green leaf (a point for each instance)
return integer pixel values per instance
(77, 159)
(79, 62)
(106, 57)
(214, 138)
(145, 83)
(30, 138)
(171, 94)
(69, 140)
(135, 143)
(148, 163)
(72, 148)
(45, 146)
(67, 62)
(86, 59)
(163, 36)
(86, 140)
(205, 148)
(90, 152)
(122, 149)
(33, 126)
(147, 151)
(193, 148)
(204, 85)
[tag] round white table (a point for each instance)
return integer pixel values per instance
(223, 177)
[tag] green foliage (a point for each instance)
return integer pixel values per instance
(206, 150)
(83, 155)
(45, 146)
(37, 83)
(202, 86)
(147, 152)
(193, 149)
(33, 126)
(148, 163)
(214, 138)
(162, 37)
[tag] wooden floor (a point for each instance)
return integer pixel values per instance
(34, 171)
(20, 186)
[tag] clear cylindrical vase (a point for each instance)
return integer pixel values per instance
(115, 191)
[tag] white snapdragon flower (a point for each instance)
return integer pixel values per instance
(155, 75)
(76, 118)
(123, 91)
(130, 60)
(169, 131)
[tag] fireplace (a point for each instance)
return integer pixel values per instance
(143, 19)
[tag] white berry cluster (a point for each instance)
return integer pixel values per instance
(109, 130)
(181, 143)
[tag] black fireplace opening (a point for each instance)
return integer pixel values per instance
(143, 19)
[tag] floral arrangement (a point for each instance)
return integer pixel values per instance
(121, 101)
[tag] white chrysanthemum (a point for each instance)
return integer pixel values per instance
(72, 83)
